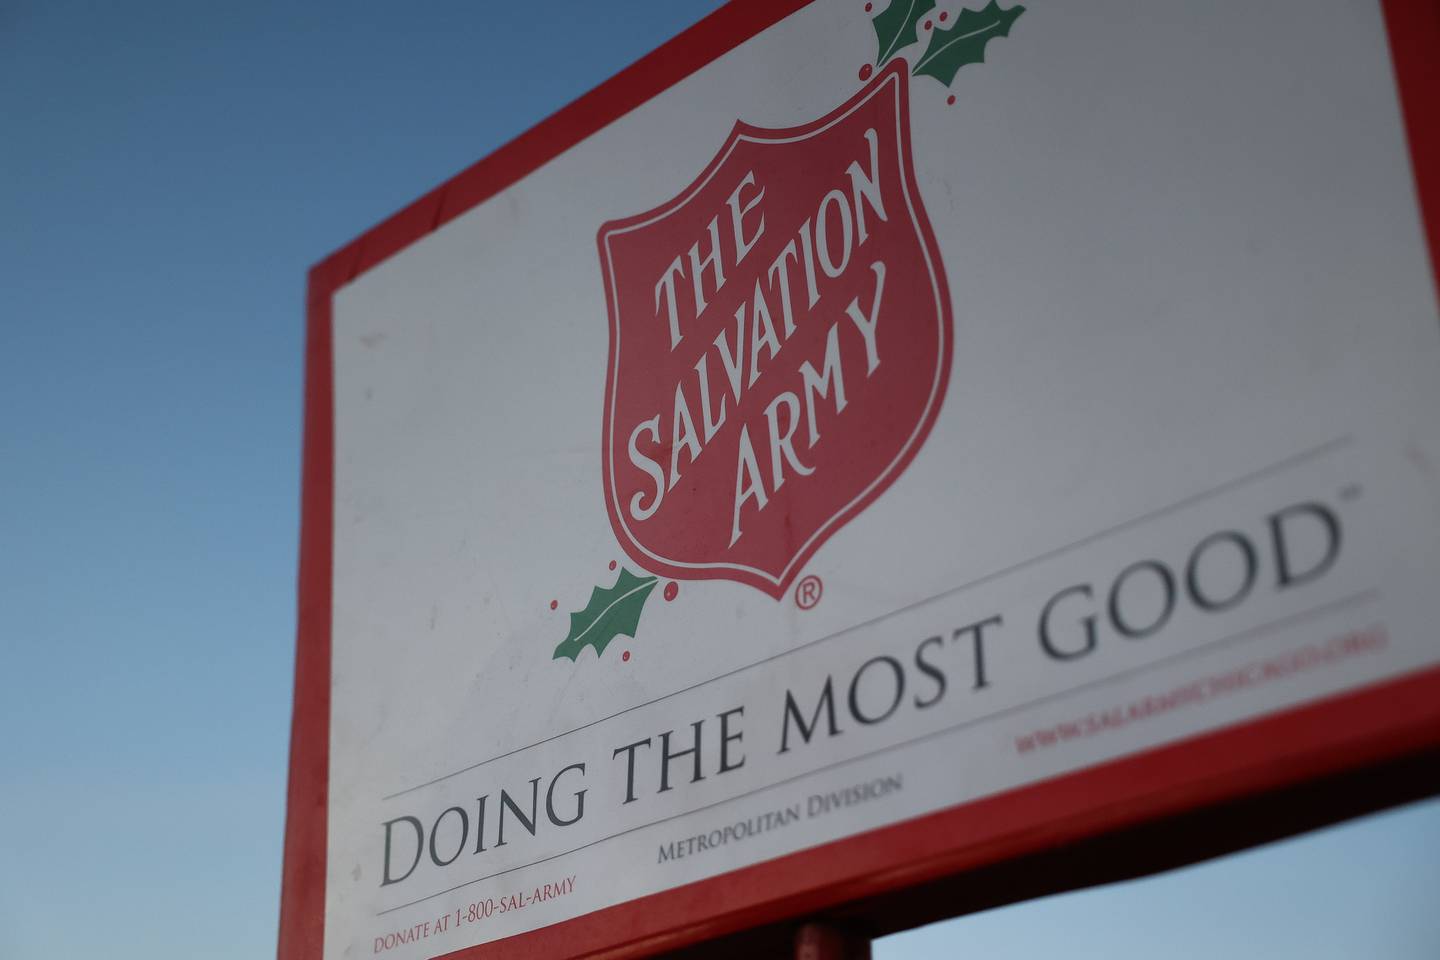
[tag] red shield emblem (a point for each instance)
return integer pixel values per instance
(780, 342)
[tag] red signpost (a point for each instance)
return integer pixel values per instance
(1227, 783)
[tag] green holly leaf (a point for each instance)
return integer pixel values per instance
(895, 26)
(964, 43)
(609, 614)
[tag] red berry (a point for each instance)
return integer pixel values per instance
(865, 72)
(554, 604)
(950, 99)
(612, 564)
(672, 590)
(928, 24)
(943, 16)
(625, 656)
(869, 7)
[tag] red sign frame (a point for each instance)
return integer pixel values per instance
(1371, 726)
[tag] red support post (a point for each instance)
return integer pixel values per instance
(819, 941)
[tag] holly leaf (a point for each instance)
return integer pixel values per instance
(610, 613)
(895, 26)
(964, 43)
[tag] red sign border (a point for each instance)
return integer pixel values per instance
(1393, 719)
(896, 74)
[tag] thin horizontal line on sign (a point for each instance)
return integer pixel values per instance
(1310, 613)
(1329, 446)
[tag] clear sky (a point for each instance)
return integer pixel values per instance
(168, 172)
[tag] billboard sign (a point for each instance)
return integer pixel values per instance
(856, 444)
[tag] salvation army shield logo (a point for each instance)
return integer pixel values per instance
(780, 342)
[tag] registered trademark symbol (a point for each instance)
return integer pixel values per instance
(808, 592)
(1351, 491)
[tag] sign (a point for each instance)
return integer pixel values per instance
(858, 444)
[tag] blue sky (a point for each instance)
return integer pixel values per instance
(168, 172)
